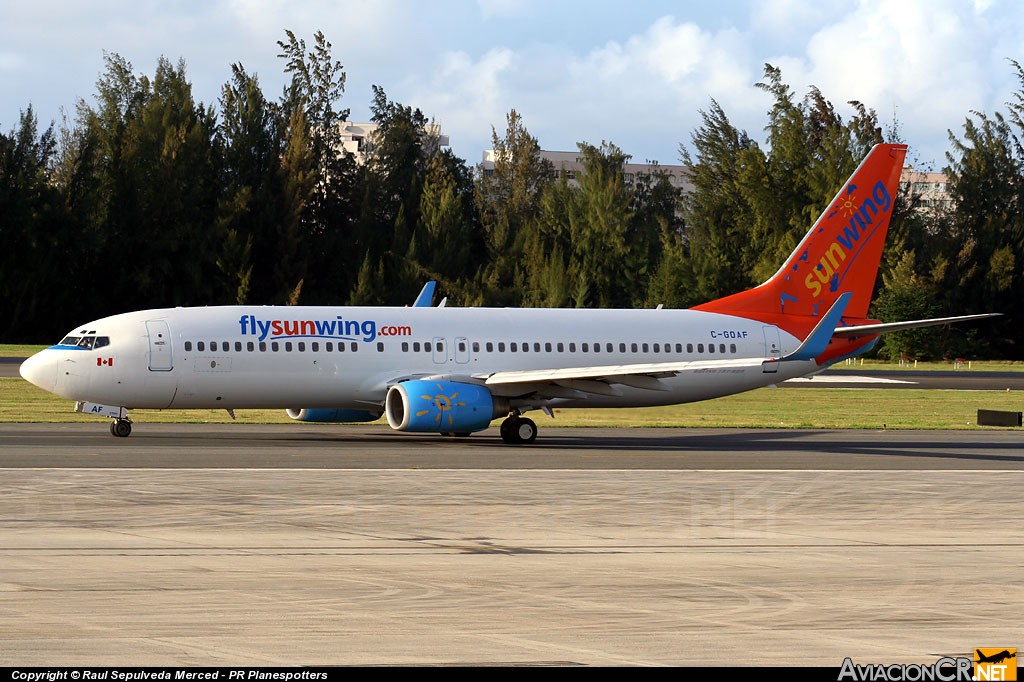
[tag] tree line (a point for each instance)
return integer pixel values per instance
(148, 198)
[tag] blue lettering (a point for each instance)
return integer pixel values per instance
(337, 328)
(881, 196)
(326, 327)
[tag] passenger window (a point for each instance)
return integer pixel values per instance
(732, 348)
(355, 346)
(315, 346)
(501, 346)
(213, 346)
(561, 347)
(238, 346)
(585, 347)
(302, 346)
(711, 348)
(689, 348)
(547, 347)
(250, 346)
(700, 347)
(405, 346)
(526, 347)
(633, 348)
(572, 347)
(536, 346)
(657, 348)
(645, 348)
(721, 348)
(380, 346)
(622, 348)
(476, 346)
(263, 346)
(329, 346)
(426, 347)
(275, 346)
(609, 347)
(415, 346)
(200, 346)
(287, 346)
(679, 348)
(440, 346)
(188, 345)
(490, 346)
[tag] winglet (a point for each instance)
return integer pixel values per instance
(817, 341)
(426, 296)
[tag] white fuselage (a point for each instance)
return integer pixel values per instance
(343, 357)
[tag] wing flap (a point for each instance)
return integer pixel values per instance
(644, 375)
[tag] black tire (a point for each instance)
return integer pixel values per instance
(508, 432)
(525, 431)
(122, 428)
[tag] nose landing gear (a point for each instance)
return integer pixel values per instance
(122, 428)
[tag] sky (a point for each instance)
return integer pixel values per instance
(636, 74)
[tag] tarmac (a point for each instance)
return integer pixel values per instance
(307, 545)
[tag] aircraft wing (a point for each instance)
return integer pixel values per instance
(598, 379)
(868, 329)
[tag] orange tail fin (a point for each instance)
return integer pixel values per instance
(840, 254)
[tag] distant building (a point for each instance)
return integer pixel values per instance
(358, 138)
(928, 191)
(572, 164)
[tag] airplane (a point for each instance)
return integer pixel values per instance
(994, 658)
(452, 371)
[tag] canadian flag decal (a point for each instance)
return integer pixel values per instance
(109, 362)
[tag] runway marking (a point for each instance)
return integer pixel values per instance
(834, 379)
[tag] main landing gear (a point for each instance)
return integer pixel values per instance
(122, 428)
(518, 430)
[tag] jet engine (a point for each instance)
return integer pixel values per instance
(332, 415)
(442, 407)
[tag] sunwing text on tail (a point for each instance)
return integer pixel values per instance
(455, 370)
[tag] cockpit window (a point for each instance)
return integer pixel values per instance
(86, 342)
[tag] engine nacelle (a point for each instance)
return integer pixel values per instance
(332, 415)
(441, 407)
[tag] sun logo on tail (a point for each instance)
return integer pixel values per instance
(848, 204)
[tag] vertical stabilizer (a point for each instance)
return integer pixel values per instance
(840, 254)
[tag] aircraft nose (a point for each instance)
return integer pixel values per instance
(40, 370)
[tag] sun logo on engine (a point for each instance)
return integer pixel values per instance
(443, 404)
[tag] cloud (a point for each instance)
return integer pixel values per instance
(928, 62)
(11, 61)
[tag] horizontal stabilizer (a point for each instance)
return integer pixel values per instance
(871, 329)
